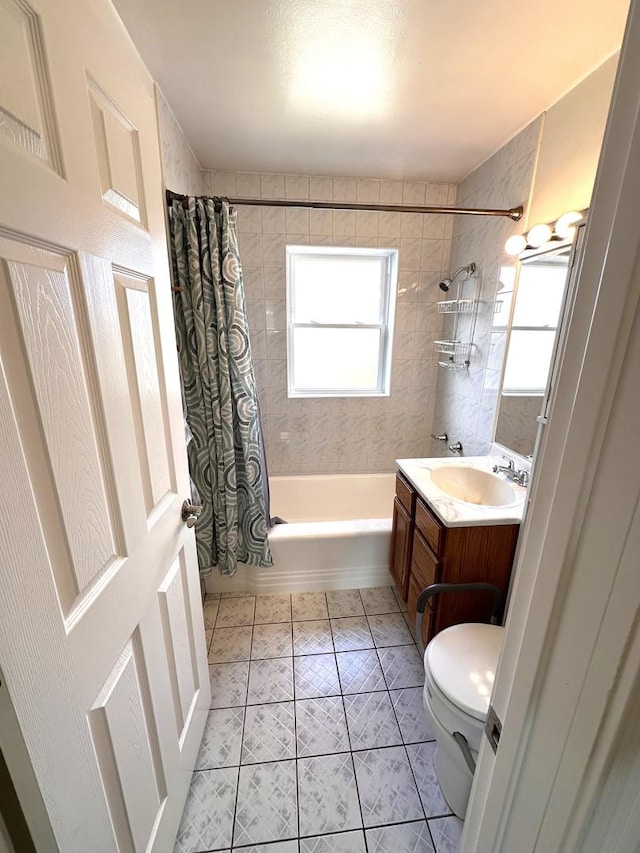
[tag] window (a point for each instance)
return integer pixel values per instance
(340, 305)
(539, 297)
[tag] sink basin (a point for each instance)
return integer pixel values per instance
(473, 486)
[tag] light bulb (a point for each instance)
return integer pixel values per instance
(539, 235)
(566, 224)
(515, 244)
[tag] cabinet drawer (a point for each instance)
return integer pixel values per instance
(405, 493)
(424, 566)
(430, 528)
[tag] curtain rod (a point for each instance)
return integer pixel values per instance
(514, 213)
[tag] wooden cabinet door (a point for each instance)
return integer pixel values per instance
(401, 538)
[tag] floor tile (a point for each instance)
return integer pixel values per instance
(421, 756)
(290, 846)
(236, 595)
(371, 720)
(321, 727)
(312, 638)
(360, 672)
(208, 636)
(387, 790)
(411, 715)
(344, 842)
(402, 666)
(231, 644)
(222, 739)
(328, 794)
(207, 819)
(273, 608)
(210, 614)
(267, 803)
(270, 681)
(269, 733)
(446, 833)
(228, 684)
(236, 611)
(309, 605)
(271, 641)
(389, 629)
(344, 602)
(316, 675)
(401, 604)
(379, 599)
(401, 838)
(351, 633)
(213, 596)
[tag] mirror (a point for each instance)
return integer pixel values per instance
(530, 311)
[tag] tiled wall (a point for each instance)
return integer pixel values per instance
(466, 400)
(180, 169)
(341, 434)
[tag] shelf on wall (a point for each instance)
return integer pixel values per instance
(458, 353)
(457, 306)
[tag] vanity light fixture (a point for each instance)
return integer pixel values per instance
(562, 230)
(539, 235)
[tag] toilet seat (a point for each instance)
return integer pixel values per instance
(462, 662)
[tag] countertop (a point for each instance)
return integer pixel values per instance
(457, 513)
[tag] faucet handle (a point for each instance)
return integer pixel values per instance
(509, 462)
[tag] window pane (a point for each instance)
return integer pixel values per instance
(540, 292)
(336, 359)
(528, 360)
(337, 290)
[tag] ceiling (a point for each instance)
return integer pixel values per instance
(371, 88)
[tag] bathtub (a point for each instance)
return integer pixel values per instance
(337, 536)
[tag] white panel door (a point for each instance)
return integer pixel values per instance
(101, 627)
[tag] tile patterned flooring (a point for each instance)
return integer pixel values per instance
(316, 741)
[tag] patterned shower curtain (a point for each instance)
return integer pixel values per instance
(225, 446)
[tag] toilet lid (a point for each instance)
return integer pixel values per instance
(462, 661)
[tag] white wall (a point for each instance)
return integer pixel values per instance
(570, 146)
(180, 169)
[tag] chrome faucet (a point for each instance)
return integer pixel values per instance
(456, 448)
(519, 476)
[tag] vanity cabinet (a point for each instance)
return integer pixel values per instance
(425, 551)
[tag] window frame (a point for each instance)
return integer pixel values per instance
(388, 288)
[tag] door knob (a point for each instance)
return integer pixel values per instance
(190, 513)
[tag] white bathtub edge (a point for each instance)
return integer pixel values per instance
(258, 581)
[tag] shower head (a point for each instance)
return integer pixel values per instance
(446, 283)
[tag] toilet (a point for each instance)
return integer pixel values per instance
(460, 664)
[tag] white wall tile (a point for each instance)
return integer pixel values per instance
(344, 223)
(367, 191)
(248, 184)
(272, 186)
(391, 192)
(321, 221)
(344, 189)
(320, 189)
(249, 219)
(413, 192)
(297, 220)
(296, 186)
(366, 223)
(411, 224)
(273, 220)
